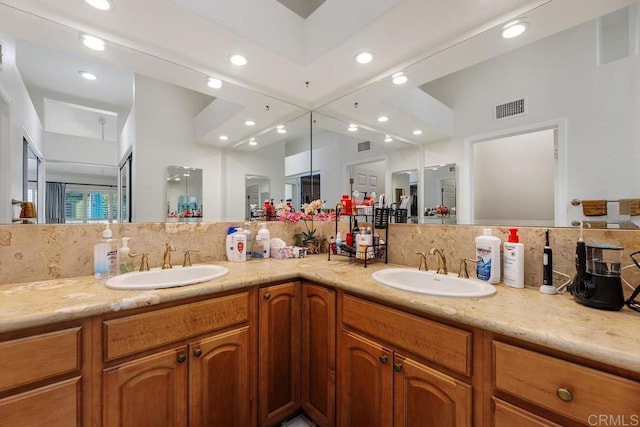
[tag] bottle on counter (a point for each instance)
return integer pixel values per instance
(125, 263)
(488, 256)
(105, 256)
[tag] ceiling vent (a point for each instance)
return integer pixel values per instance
(511, 109)
(364, 146)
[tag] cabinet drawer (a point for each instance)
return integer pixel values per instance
(445, 345)
(541, 379)
(507, 415)
(55, 405)
(35, 358)
(145, 331)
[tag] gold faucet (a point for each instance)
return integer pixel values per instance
(167, 256)
(144, 263)
(442, 260)
(423, 261)
(463, 272)
(187, 258)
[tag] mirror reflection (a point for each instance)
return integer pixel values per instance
(184, 194)
(440, 203)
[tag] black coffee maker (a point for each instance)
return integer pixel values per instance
(597, 282)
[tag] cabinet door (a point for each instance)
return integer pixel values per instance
(365, 382)
(424, 397)
(150, 391)
(221, 390)
(279, 356)
(319, 354)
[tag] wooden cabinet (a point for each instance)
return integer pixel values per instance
(43, 378)
(318, 353)
(384, 384)
(561, 390)
(279, 352)
(199, 381)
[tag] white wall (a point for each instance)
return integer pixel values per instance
(68, 148)
(165, 136)
(561, 79)
(22, 119)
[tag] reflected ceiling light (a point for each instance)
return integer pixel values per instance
(383, 119)
(387, 138)
(99, 4)
(88, 75)
(399, 78)
(223, 138)
(186, 174)
(237, 59)
(177, 178)
(417, 132)
(214, 83)
(514, 29)
(253, 141)
(352, 127)
(281, 129)
(93, 42)
(249, 123)
(364, 57)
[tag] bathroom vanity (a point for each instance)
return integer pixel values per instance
(255, 347)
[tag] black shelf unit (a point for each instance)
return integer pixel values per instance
(379, 220)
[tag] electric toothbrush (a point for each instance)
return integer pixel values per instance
(547, 268)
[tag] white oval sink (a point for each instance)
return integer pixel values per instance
(171, 277)
(430, 283)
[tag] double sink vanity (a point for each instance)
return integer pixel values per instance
(275, 337)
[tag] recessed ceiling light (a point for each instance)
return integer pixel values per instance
(364, 57)
(249, 123)
(399, 78)
(214, 83)
(99, 4)
(352, 127)
(93, 42)
(237, 59)
(88, 75)
(514, 29)
(417, 132)
(383, 119)
(223, 138)
(281, 129)
(253, 141)
(387, 138)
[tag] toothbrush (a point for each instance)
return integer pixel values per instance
(547, 262)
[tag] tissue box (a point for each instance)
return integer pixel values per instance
(287, 252)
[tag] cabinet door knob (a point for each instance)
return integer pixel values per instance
(564, 394)
(197, 352)
(182, 358)
(397, 367)
(383, 358)
(267, 296)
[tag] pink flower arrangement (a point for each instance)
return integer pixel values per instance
(308, 216)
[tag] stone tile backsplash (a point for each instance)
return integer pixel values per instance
(42, 252)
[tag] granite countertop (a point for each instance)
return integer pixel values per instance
(553, 321)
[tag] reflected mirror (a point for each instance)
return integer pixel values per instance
(405, 190)
(184, 194)
(440, 194)
(257, 190)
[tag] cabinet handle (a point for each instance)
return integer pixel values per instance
(383, 359)
(397, 367)
(182, 358)
(197, 352)
(267, 296)
(564, 394)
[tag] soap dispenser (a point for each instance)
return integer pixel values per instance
(125, 265)
(105, 256)
(513, 260)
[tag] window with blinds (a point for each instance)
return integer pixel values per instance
(90, 205)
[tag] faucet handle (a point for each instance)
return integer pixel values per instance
(464, 271)
(144, 262)
(187, 257)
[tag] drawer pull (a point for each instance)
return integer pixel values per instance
(564, 394)
(383, 359)
(267, 296)
(397, 367)
(197, 352)
(182, 358)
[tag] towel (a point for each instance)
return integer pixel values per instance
(629, 207)
(594, 207)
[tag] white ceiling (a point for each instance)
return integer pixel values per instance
(285, 52)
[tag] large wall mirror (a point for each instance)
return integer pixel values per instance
(574, 75)
(109, 123)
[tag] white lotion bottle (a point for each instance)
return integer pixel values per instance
(488, 256)
(513, 260)
(125, 264)
(105, 257)
(263, 237)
